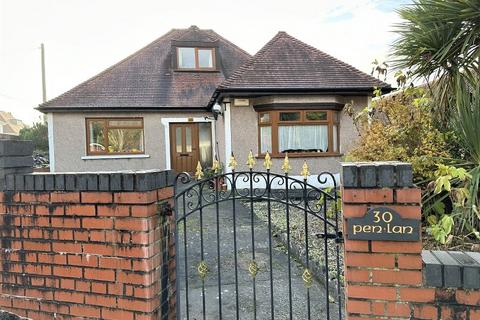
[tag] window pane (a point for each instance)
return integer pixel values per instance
(289, 116)
(125, 123)
(264, 117)
(125, 140)
(316, 115)
(335, 117)
(303, 138)
(265, 139)
(335, 138)
(97, 139)
(205, 58)
(205, 144)
(178, 139)
(186, 58)
(188, 139)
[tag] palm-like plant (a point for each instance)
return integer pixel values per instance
(381, 68)
(439, 40)
(467, 127)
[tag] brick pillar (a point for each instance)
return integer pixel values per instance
(86, 245)
(382, 278)
(15, 157)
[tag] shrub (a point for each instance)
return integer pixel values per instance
(38, 133)
(459, 184)
(400, 127)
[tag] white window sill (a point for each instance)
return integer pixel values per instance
(122, 156)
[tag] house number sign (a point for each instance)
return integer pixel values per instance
(383, 224)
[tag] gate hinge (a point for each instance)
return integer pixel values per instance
(337, 236)
(165, 209)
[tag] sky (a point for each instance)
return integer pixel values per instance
(84, 37)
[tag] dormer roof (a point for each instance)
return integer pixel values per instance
(147, 79)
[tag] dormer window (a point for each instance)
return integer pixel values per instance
(189, 58)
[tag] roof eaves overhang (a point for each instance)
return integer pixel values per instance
(71, 109)
(257, 92)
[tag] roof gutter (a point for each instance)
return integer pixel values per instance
(65, 109)
(221, 92)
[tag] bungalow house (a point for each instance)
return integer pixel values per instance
(192, 95)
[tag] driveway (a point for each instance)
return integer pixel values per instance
(246, 307)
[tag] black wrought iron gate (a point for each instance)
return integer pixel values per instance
(258, 245)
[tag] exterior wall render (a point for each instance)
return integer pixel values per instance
(244, 126)
(70, 137)
(69, 145)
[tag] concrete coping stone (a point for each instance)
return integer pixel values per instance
(16, 147)
(144, 180)
(451, 269)
(379, 174)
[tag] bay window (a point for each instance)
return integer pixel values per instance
(110, 136)
(298, 132)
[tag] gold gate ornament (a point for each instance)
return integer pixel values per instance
(199, 172)
(268, 161)
(202, 269)
(216, 166)
(305, 173)
(253, 268)
(232, 164)
(250, 160)
(307, 277)
(286, 165)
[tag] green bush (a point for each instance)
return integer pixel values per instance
(400, 128)
(458, 184)
(38, 133)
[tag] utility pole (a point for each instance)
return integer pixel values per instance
(44, 84)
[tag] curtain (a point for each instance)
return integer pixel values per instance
(265, 139)
(303, 138)
(335, 142)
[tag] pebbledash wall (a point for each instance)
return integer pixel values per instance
(87, 245)
(397, 280)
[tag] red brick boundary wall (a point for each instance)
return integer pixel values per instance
(384, 279)
(90, 246)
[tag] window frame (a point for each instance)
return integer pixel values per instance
(105, 134)
(197, 66)
(275, 123)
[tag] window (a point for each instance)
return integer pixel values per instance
(205, 143)
(114, 136)
(196, 58)
(298, 132)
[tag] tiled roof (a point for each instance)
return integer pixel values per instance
(288, 63)
(10, 124)
(146, 79)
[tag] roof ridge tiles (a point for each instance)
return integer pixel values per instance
(249, 62)
(231, 44)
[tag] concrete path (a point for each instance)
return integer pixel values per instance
(245, 282)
